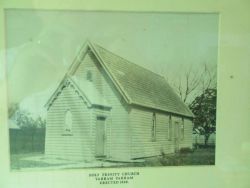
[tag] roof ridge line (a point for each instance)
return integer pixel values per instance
(129, 61)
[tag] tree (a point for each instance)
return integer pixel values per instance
(187, 84)
(24, 119)
(194, 81)
(204, 109)
(13, 107)
(28, 124)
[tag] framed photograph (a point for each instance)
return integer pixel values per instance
(109, 96)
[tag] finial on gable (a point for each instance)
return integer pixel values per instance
(88, 42)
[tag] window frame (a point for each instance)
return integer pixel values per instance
(67, 128)
(170, 128)
(182, 130)
(89, 75)
(153, 129)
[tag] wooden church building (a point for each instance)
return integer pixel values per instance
(107, 107)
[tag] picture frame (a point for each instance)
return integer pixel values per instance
(233, 144)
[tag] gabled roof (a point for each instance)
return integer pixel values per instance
(86, 91)
(142, 86)
(138, 86)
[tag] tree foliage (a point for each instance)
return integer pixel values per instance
(204, 109)
(24, 119)
(13, 107)
(29, 125)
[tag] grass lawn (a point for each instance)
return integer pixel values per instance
(17, 161)
(201, 156)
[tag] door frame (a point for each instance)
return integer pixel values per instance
(104, 134)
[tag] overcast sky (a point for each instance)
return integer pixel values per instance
(42, 44)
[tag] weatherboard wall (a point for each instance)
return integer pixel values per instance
(117, 124)
(78, 144)
(142, 143)
(187, 141)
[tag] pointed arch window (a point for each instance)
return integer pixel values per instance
(68, 122)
